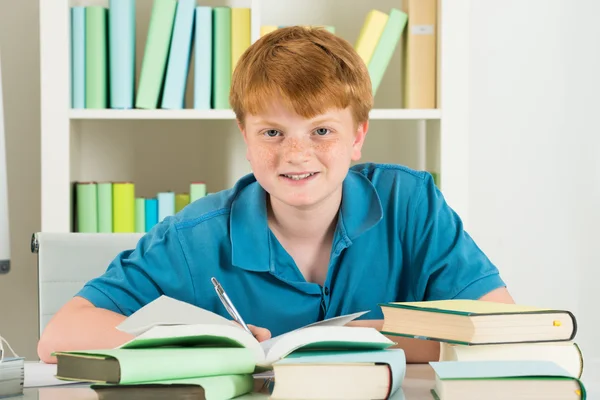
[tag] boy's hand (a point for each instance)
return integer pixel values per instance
(261, 334)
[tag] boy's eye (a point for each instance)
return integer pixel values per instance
(322, 131)
(272, 133)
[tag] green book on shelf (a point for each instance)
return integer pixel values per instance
(221, 57)
(87, 207)
(156, 53)
(105, 210)
(96, 48)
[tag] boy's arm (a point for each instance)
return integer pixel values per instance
(423, 351)
(79, 325)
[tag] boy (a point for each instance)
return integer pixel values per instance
(305, 237)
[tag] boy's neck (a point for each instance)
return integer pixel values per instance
(308, 224)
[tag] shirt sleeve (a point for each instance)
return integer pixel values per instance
(449, 263)
(138, 276)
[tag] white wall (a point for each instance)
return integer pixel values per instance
(535, 149)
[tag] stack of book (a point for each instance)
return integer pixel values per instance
(510, 350)
(112, 207)
(182, 350)
(12, 376)
(103, 48)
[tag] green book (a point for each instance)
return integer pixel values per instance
(221, 82)
(140, 215)
(121, 366)
(385, 47)
(87, 207)
(105, 209)
(96, 60)
(156, 53)
(471, 380)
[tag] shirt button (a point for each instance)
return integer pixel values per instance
(326, 291)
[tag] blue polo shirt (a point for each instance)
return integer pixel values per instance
(396, 240)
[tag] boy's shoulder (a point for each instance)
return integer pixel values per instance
(384, 176)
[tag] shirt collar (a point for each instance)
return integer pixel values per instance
(360, 211)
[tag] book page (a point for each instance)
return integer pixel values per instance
(168, 311)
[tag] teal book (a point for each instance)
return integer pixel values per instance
(151, 213)
(78, 57)
(203, 58)
(96, 53)
(386, 46)
(156, 54)
(470, 380)
(179, 56)
(166, 205)
(221, 78)
(121, 38)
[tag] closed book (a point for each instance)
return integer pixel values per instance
(369, 34)
(202, 388)
(420, 49)
(181, 200)
(140, 215)
(105, 207)
(123, 207)
(151, 212)
(121, 35)
(477, 322)
(166, 205)
(221, 57)
(96, 57)
(87, 207)
(156, 54)
(514, 380)
(266, 29)
(240, 34)
(78, 57)
(197, 190)
(179, 56)
(12, 376)
(203, 58)
(386, 46)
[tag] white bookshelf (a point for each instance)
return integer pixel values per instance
(114, 145)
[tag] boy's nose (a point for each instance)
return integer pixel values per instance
(296, 151)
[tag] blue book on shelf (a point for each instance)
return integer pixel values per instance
(203, 58)
(166, 205)
(121, 31)
(151, 211)
(179, 56)
(78, 57)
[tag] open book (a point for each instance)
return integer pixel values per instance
(170, 322)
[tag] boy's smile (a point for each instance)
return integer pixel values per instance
(302, 162)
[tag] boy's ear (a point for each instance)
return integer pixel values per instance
(241, 128)
(359, 140)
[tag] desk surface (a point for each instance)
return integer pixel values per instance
(416, 386)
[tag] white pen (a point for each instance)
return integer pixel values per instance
(229, 305)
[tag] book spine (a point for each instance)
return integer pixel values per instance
(179, 56)
(140, 215)
(240, 34)
(385, 47)
(197, 190)
(181, 200)
(96, 74)
(166, 205)
(156, 52)
(221, 57)
(123, 207)
(87, 207)
(105, 202)
(78, 57)
(151, 211)
(266, 29)
(420, 54)
(121, 38)
(370, 34)
(203, 58)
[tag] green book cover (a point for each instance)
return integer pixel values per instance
(221, 57)
(96, 48)
(140, 215)
(156, 53)
(385, 47)
(87, 207)
(105, 210)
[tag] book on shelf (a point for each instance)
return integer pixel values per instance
(77, 57)
(121, 51)
(474, 380)
(476, 322)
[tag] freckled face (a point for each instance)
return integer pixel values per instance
(302, 162)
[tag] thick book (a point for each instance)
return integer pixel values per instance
(156, 54)
(567, 355)
(96, 57)
(170, 322)
(514, 380)
(12, 376)
(476, 322)
(121, 37)
(339, 375)
(221, 68)
(240, 34)
(179, 56)
(86, 206)
(202, 388)
(203, 58)
(369, 34)
(151, 213)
